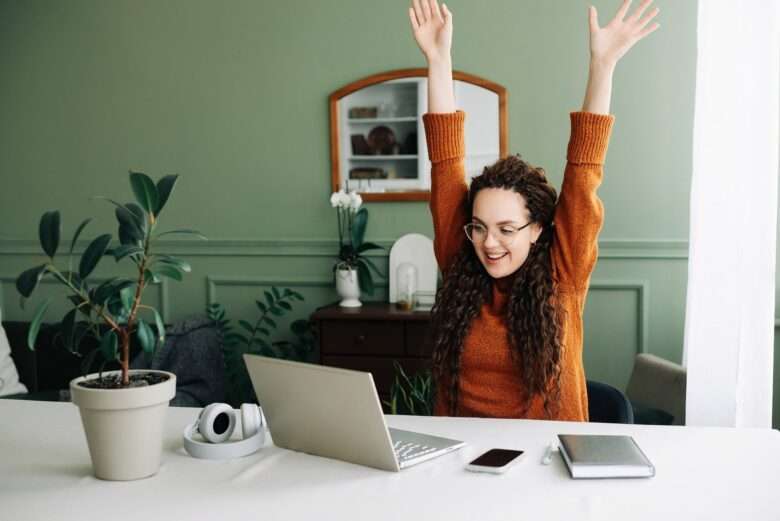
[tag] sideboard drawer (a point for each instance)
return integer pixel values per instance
(362, 337)
(419, 341)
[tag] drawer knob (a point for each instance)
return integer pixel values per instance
(360, 339)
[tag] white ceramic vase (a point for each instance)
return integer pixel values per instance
(124, 427)
(348, 288)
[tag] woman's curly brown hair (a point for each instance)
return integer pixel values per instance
(533, 319)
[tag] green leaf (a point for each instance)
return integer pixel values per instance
(164, 189)
(175, 261)
(186, 232)
(126, 250)
(264, 331)
(93, 254)
(108, 345)
(246, 325)
(269, 298)
(366, 246)
(145, 336)
(276, 311)
(128, 225)
(296, 295)
(35, 324)
(269, 321)
(127, 295)
(371, 265)
(276, 292)
(160, 327)
(167, 270)
(150, 276)
(67, 326)
(262, 306)
(364, 279)
(145, 191)
(141, 218)
(28, 280)
(81, 227)
(285, 305)
(49, 232)
(359, 224)
(299, 327)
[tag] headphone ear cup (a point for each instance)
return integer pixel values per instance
(251, 420)
(217, 422)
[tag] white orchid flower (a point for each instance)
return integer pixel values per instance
(355, 200)
(344, 199)
(334, 199)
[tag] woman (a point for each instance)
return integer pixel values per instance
(507, 322)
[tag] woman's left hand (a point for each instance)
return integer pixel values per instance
(609, 43)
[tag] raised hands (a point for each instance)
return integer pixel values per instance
(609, 43)
(432, 27)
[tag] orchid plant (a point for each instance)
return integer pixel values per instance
(352, 222)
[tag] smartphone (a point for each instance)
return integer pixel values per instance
(495, 461)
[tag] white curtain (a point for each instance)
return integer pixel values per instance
(729, 323)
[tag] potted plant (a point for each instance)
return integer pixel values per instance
(122, 411)
(353, 269)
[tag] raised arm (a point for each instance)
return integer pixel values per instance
(432, 28)
(580, 213)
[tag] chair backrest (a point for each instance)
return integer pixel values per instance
(660, 384)
(607, 404)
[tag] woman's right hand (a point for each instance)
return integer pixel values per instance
(432, 27)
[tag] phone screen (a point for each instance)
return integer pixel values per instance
(496, 457)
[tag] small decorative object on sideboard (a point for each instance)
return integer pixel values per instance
(123, 412)
(415, 249)
(424, 300)
(406, 277)
(353, 269)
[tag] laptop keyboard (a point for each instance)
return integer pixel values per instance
(405, 450)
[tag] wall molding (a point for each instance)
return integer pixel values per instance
(608, 248)
(163, 300)
(642, 290)
(215, 280)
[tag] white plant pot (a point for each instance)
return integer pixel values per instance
(348, 288)
(124, 427)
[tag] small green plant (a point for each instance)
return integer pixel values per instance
(411, 395)
(256, 338)
(110, 311)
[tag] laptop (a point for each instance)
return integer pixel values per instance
(335, 413)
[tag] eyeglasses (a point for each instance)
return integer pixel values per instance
(477, 233)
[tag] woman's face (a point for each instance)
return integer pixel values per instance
(499, 213)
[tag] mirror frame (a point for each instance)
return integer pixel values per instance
(411, 195)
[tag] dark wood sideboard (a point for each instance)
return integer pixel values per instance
(370, 337)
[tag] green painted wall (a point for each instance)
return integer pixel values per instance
(233, 96)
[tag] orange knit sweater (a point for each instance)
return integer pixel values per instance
(489, 380)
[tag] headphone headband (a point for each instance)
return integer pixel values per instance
(226, 450)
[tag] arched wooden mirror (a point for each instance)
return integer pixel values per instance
(377, 139)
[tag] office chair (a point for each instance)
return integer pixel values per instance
(607, 404)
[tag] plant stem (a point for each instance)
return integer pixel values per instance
(125, 333)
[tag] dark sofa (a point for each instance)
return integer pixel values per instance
(192, 351)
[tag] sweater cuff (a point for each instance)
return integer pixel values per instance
(444, 135)
(589, 137)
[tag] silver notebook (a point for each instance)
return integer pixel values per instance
(604, 456)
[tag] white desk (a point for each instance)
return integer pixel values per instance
(701, 473)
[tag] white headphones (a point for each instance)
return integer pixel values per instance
(216, 423)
